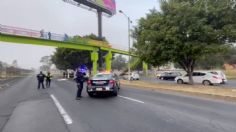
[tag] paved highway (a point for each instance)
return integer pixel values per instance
(24, 108)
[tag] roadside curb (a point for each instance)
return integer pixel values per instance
(198, 90)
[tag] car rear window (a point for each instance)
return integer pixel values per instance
(215, 73)
(102, 76)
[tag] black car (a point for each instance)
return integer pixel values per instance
(103, 83)
(169, 75)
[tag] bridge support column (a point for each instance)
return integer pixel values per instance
(145, 68)
(94, 58)
(108, 60)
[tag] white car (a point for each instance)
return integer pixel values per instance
(205, 78)
(221, 75)
(134, 76)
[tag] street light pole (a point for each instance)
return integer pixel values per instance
(129, 21)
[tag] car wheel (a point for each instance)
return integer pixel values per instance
(115, 92)
(206, 83)
(180, 81)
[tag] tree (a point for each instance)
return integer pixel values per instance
(230, 56)
(15, 63)
(70, 58)
(1, 65)
(119, 63)
(185, 31)
(46, 63)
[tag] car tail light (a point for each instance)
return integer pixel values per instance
(112, 82)
(215, 77)
(89, 82)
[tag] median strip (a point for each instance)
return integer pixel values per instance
(195, 89)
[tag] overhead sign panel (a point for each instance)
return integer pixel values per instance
(106, 6)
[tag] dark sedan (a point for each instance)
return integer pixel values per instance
(169, 75)
(103, 83)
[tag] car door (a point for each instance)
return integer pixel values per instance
(199, 77)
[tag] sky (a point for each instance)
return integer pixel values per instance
(59, 17)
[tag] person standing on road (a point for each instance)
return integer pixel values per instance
(40, 78)
(79, 78)
(48, 79)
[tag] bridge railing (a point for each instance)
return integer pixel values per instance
(30, 33)
(48, 35)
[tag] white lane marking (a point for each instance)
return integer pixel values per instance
(62, 79)
(64, 114)
(131, 99)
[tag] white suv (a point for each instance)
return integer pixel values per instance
(221, 75)
(206, 78)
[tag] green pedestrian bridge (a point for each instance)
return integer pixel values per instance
(34, 37)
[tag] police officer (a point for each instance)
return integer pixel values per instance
(40, 78)
(79, 78)
(48, 80)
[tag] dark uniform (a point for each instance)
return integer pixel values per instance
(48, 80)
(40, 78)
(79, 78)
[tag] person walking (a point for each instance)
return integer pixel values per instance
(48, 80)
(40, 78)
(79, 78)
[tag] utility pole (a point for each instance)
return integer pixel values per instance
(99, 12)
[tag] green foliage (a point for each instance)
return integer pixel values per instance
(185, 31)
(230, 56)
(70, 58)
(119, 63)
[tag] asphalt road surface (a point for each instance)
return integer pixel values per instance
(24, 108)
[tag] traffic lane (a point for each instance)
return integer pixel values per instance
(4, 83)
(108, 114)
(159, 112)
(20, 92)
(216, 110)
(155, 80)
(11, 96)
(230, 83)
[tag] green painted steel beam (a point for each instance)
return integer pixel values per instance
(108, 60)
(118, 51)
(94, 58)
(45, 42)
(62, 44)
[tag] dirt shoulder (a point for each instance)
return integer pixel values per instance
(196, 89)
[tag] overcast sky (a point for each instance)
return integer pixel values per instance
(59, 17)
